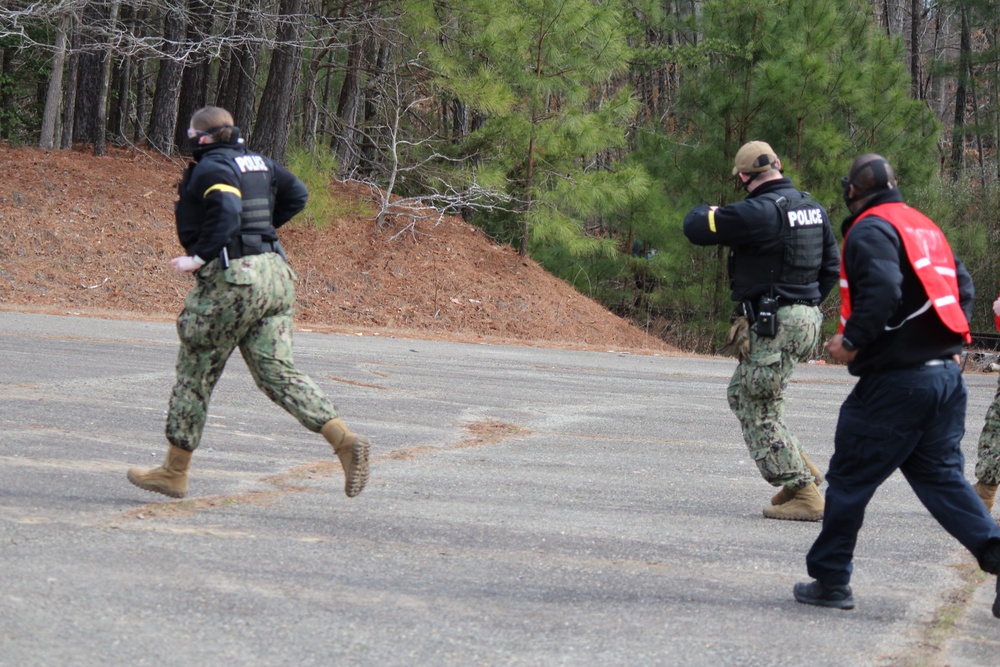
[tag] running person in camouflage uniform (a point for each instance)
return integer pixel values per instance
(988, 456)
(231, 202)
(783, 262)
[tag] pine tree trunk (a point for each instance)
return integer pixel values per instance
(310, 109)
(958, 129)
(270, 135)
(121, 102)
(915, 6)
(195, 77)
(105, 83)
(347, 109)
(85, 114)
(163, 118)
(310, 105)
(141, 100)
(238, 90)
(69, 103)
(53, 97)
(194, 92)
(88, 80)
(5, 94)
(373, 94)
(122, 107)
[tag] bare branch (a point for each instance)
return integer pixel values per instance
(19, 19)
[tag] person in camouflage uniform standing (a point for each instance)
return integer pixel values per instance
(988, 454)
(783, 262)
(230, 204)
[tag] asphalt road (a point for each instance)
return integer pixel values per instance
(527, 506)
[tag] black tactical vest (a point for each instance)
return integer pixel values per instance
(792, 258)
(257, 187)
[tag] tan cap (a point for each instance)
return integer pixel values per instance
(753, 158)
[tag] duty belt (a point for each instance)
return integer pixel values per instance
(782, 301)
(245, 245)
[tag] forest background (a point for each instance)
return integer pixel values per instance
(578, 131)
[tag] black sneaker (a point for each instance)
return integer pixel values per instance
(826, 596)
(996, 602)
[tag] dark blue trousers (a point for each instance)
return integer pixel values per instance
(912, 420)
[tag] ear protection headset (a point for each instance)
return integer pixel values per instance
(880, 179)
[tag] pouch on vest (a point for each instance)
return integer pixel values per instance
(250, 243)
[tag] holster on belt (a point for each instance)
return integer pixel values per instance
(738, 337)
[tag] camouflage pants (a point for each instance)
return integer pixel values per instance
(988, 456)
(247, 305)
(757, 395)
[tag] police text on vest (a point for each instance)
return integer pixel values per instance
(250, 163)
(805, 218)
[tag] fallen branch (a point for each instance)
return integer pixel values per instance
(95, 286)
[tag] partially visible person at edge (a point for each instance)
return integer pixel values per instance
(988, 454)
(906, 302)
(231, 203)
(783, 262)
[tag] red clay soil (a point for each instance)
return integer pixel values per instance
(87, 235)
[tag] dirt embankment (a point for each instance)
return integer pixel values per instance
(90, 235)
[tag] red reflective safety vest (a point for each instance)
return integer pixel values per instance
(931, 259)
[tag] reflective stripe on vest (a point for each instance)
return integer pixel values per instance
(932, 260)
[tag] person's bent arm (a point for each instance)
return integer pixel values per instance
(290, 198)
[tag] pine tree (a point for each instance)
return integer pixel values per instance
(537, 72)
(816, 80)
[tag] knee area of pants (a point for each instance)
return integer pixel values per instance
(763, 384)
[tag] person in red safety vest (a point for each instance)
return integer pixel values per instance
(907, 301)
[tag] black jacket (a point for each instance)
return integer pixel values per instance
(209, 206)
(746, 225)
(884, 291)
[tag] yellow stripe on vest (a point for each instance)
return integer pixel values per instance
(222, 187)
(711, 220)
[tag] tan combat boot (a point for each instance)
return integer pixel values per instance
(170, 479)
(987, 492)
(813, 470)
(807, 505)
(783, 496)
(786, 494)
(352, 450)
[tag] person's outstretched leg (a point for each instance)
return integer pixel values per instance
(267, 349)
(936, 468)
(353, 451)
